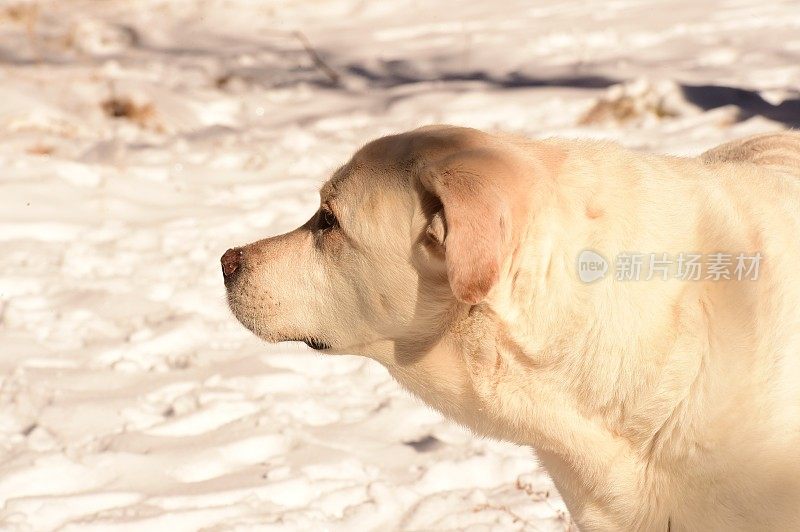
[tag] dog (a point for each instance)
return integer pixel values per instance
(453, 257)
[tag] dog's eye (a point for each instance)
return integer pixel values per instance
(327, 220)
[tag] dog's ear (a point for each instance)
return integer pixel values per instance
(477, 191)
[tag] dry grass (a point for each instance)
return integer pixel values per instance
(622, 110)
(26, 14)
(639, 101)
(141, 114)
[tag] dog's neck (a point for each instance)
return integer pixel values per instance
(599, 413)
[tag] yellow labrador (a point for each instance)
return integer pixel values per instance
(537, 291)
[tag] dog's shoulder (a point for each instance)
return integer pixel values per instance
(774, 151)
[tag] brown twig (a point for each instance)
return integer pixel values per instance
(316, 59)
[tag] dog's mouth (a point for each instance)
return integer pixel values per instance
(314, 343)
(250, 323)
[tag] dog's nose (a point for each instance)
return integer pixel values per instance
(230, 263)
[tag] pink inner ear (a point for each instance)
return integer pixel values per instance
(436, 229)
(474, 244)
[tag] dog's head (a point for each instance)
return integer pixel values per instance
(412, 228)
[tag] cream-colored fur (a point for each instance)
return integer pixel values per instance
(654, 404)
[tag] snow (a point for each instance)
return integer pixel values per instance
(130, 399)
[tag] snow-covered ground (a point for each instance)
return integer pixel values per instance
(140, 139)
